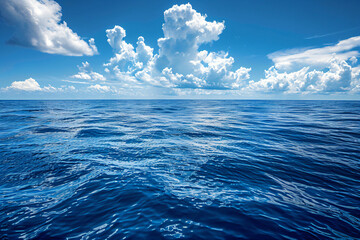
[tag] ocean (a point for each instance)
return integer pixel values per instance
(179, 169)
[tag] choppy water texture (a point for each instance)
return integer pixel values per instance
(179, 169)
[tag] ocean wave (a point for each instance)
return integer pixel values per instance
(179, 169)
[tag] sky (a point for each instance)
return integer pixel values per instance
(139, 49)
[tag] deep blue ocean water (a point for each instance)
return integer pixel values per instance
(169, 169)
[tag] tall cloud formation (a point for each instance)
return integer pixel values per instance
(179, 63)
(326, 70)
(38, 25)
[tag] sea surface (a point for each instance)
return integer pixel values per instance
(179, 169)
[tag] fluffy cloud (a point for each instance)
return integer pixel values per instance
(339, 76)
(355, 83)
(27, 85)
(325, 70)
(184, 31)
(179, 63)
(86, 74)
(317, 57)
(38, 25)
(31, 85)
(127, 60)
(179, 66)
(100, 88)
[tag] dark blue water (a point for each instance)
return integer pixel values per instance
(179, 169)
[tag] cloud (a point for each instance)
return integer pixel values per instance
(31, 85)
(178, 63)
(184, 31)
(185, 64)
(331, 34)
(77, 82)
(38, 25)
(324, 70)
(316, 57)
(27, 85)
(86, 74)
(100, 88)
(127, 59)
(355, 83)
(339, 76)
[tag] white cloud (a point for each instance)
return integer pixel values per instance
(325, 70)
(97, 76)
(179, 63)
(184, 31)
(100, 88)
(179, 67)
(338, 77)
(82, 75)
(77, 82)
(355, 83)
(86, 74)
(127, 59)
(38, 25)
(66, 88)
(316, 57)
(31, 85)
(27, 85)
(144, 53)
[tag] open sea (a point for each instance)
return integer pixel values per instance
(179, 169)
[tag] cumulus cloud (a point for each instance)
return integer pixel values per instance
(27, 85)
(184, 31)
(38, 25)
(181, 65)
(325, 70)
(31, 85)
(86, 74)
(178, 63)
(127, 60)
(355, 83)
(100, 88)
(339, 76)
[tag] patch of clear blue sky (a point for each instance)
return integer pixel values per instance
(254, 28)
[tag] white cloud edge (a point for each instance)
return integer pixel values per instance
(85, 73)
(38, 25)
(31, 85)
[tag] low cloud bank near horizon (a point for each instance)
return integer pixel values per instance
(325, 70)
(31, 85)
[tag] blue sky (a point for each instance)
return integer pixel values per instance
(195, 49)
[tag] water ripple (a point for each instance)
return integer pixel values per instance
(179, 169)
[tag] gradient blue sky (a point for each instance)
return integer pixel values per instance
(257, 35)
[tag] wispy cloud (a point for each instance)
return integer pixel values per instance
(77, 82)
(289, 59)
(332, 33)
